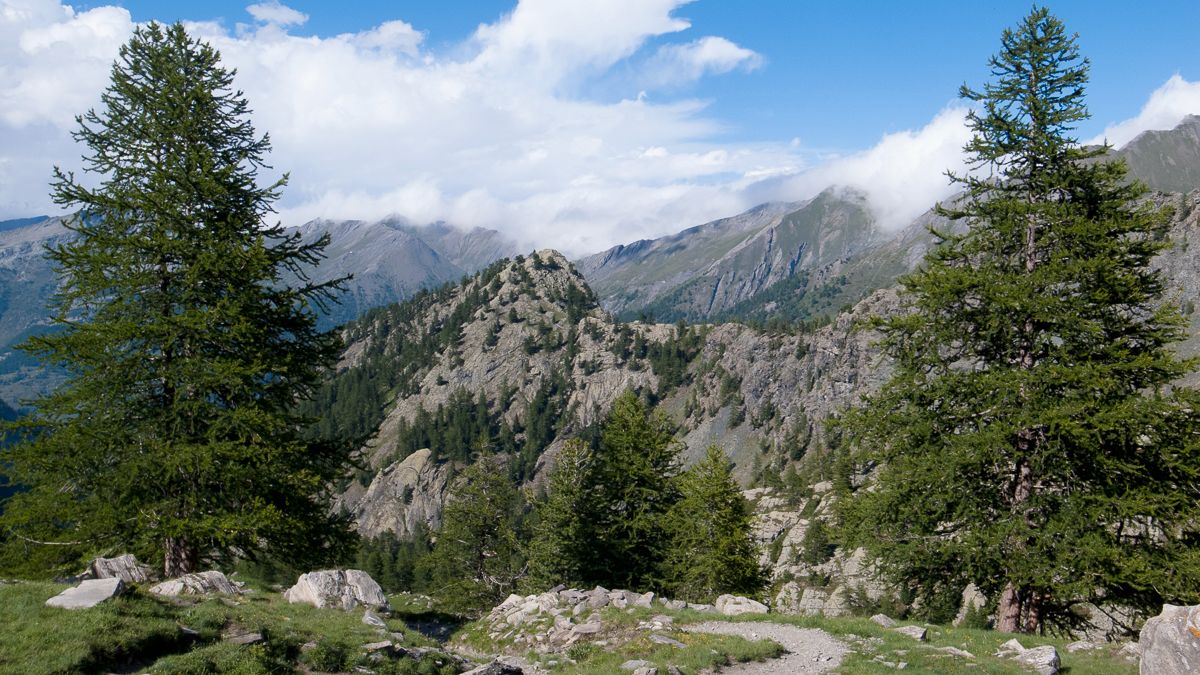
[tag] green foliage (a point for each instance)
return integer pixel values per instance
(397, 564)
(175, 437)
(711, 550)
(477, 558)
(1064, 427)
(604, 524)
(818, 546)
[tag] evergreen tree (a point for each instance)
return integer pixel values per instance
(175, 437)
(476, 560)
(711, 551)
(605, 518)
(560, 539)
(631, 489)
(1029, 439)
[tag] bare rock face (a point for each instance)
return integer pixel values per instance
(88, 593)
(403, 496)
(343, 589)
(1170, 642)
(124, 567)
(211, 582)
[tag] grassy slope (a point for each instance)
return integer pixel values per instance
(138, 633)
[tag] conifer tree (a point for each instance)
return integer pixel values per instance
(175, 436)
(476, 560)
(560, 540)
(711, 550)
(1030, 441)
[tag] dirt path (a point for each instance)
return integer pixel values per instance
(808, 650)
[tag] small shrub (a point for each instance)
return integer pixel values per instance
(330, 656)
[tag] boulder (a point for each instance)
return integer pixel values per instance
(884, 620)
(123, 567)
(211, 582)
(915, 632)
(733, 605)
(1170, 642)
(1043, 660)
(88, 593)
(496, 668)
(344, 589)
(634, 664)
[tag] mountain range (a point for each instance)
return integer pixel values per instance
(782, 262)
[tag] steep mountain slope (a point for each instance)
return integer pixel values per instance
(719, 271)
(390, 260)
(1167, 161)
(521, 357)
(705, 270)
(393, 259)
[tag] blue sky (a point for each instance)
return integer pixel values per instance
(835, 74)
(584, 123)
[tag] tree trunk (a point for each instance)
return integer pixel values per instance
(1033, 613)
(179, 557)
(1008, 610)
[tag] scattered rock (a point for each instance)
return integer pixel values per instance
(587, 628)
(124, 567)
(372, 619)
(884, 620)
(915, 632)
(88, 593)
(664, 640)
(243, 638)
(211, 582)
(634, 664)
(1043, 660)
(674, 605)
(1082, 646)
(1170, 642)
(734, 605)
(381, 647)
(496, 668)
(646, 670)
(345, 589)
(955, 651)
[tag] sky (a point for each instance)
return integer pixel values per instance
(580, 124)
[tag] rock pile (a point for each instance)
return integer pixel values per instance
(553, 621)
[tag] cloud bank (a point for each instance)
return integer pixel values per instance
(494, 132)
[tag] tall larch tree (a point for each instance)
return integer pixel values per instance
(175, 436)
(1030, 440)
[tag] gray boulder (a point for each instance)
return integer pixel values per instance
(343, 589)
(88, 593)
(1170, 642)
(884, 620)
(496, 668)
(1042, 660)
(211, 582)
(733, 605)
(915, 632)
(123, 567)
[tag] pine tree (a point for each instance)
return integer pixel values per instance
(1030, 441)
(476, 560)
(560, 542)
(711, 550)
(632, 487)
(175, 437)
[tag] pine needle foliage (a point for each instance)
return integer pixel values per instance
(176, 437)
(711, 550)
(1030, 440)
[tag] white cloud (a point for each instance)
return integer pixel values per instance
(491, 132)
(278, 14)
(1169, 104)
(677, 64)
(903, 174)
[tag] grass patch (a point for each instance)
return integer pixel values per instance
(141, 633)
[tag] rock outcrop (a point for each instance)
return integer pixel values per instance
(124, 567)
(88, 593)
(211, 582)
(1170, 642)
(343, 589)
